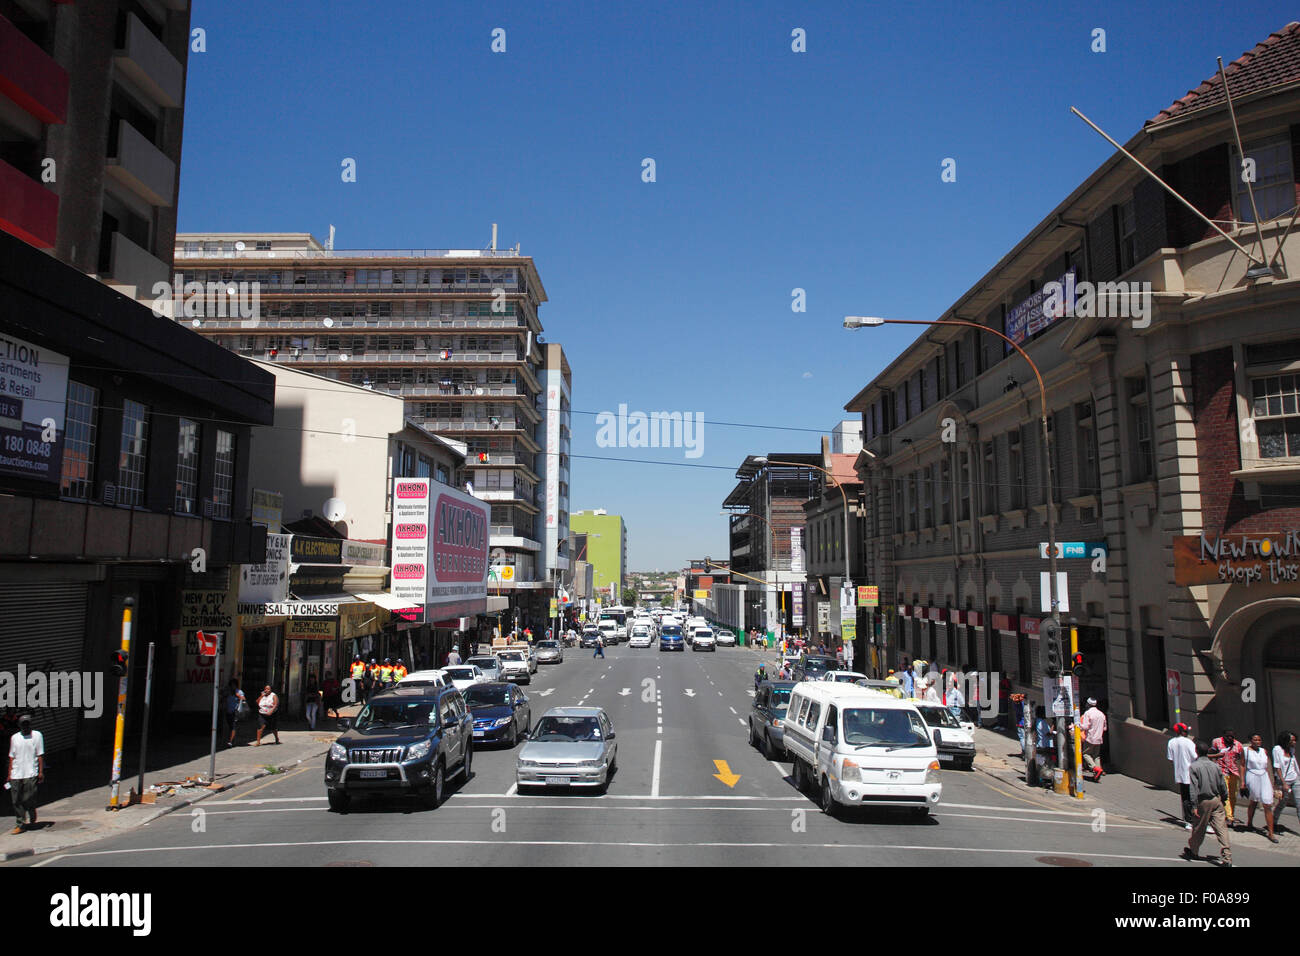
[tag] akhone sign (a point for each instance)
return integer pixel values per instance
(1272, 558)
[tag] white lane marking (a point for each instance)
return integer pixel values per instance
(983, 806)
(659, 729)
(719, 845)
(514, 788)
(218, 803)
(1054, 823)
(603, 676)
(732, 709)
(591, 690)
(661, 720)
(741, 719)
(549, 690)
(625, 691)
(689, 692)
(779, 769)
(654, 777)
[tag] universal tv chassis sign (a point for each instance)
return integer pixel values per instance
(440, 548)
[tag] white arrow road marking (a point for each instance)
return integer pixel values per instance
(750, 693)
(689, 692)
(543, 693)
(625, 691)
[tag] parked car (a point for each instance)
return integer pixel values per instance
(955, 744)
(670, 638)
(641, 636)
(569, 747)
(431, 678)
(882, 687)
(767, 718)
(856, 748)
(550, 652)
(463, 675)
(704, 640)
(489, 664)
(813, 666)
(514, 667)
(501, 712)
(409, 740)
(725, 638)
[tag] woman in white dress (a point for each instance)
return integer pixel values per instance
(1259, 783)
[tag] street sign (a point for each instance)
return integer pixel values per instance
(1062, 592)
(1073, 549)
(869, 595)
(1060, 692)
(207, 643)
(1174, 681)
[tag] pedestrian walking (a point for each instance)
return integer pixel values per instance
(1259, 784)
(908, 679)
(26, 770)
(1284, 765)
(931, 693)
(1093, 725)
(1208, 792)
(839, 657)
(957, 703)
(1227, 750)
(235, 701)
(268, 707)
(311, 701)
(331, 697)
(1181, 752)
(453, 658)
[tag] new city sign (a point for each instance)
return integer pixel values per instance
(1237, 559)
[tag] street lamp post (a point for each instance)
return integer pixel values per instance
(857, 322)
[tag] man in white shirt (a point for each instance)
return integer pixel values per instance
(26, 770)
(1181, 752)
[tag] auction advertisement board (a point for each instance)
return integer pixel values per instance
(33, 397)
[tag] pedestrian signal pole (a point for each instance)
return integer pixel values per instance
(1076, 669)
(120, 659)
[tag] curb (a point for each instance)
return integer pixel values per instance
(7, 855)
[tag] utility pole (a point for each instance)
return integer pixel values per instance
(121, 660)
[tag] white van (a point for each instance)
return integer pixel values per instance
(860, 748)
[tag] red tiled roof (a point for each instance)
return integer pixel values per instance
(1272, 63)
(843, 470)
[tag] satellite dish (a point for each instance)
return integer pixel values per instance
(328, 323)
(240, 245)
(334, 509)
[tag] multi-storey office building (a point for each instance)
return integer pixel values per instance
(826, 549)
(453, 332)
(606, 542)
(92, 100)
(1172, 436)
(555, 435)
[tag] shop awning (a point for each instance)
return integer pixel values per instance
(386, 600)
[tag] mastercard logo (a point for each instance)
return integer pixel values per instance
(408, 571)
(412, 530)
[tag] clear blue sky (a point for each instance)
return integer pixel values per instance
(775, 170)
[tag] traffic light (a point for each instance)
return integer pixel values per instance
(1077, 667)
(117, 662)
(1051, 637)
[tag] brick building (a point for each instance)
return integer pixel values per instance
(1175, 435)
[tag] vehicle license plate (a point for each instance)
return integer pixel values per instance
(945, 756)
(374, 774)
(557, 781)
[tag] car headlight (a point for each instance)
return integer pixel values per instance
(419, 751)
(849, 772)
(932, 773)
(778, 723)
(528, 763)
(338, 752)
(590, 763)
(501, 721)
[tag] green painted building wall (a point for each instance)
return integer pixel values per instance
(608, 553)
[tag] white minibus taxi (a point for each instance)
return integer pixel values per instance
(855, 747)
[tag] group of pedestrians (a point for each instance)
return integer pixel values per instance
(236, 709)
(1266, 779)
(374, 677)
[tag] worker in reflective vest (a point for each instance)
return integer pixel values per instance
(399, 670)
(386, 671)
(358, 670)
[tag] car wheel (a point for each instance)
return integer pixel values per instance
(967, 764)
(829, 806)
(753, 737)
(466, 765)
(339, 802)
(433, 797)
(765, 747)
(514, 735)
(797, 773)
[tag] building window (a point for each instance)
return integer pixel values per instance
(423, 468)
(990, 479)
(1277, 415)
(945, 493)
(1139, 407)
(1089, 479)
(1057, 439)
(900, 405)
(916, 394)
(911, 501)
(134, 454)
(1016, 459)
(1126, 228)
(1274, 186)
(927, 492)
(899, 506)
(79, 441)
(223, 475)
(959, 347)
(964, 492)
(440, 473)
(941, 373)
(187, 467)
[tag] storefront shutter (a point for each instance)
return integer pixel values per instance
(43, 627)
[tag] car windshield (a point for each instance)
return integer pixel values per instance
(485, 695)
(460, 673)
(396, 713)
(781, 697)
(939, 717)
(817, 665)
(884, 727)
(549, 644)
(483, 663)
(566, 729)
(512, 656)
(671, 630)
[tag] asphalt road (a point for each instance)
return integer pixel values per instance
(675, 715)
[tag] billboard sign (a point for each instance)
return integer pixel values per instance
(458, 551)
(267, 583)
(33, 401)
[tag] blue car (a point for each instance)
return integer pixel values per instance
(670, 639)
(501, 712)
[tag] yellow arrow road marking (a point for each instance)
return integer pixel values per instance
(724, 773)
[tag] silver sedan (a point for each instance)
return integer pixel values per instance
(568, 747)
(550, 652)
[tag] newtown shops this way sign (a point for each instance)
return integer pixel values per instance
(1237, 559)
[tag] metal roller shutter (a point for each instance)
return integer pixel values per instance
(43, 626)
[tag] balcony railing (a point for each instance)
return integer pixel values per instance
(316, 322)
(405, 358)
(351, 254)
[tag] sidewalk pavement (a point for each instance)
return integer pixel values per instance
(81, 816)
(998, 755)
